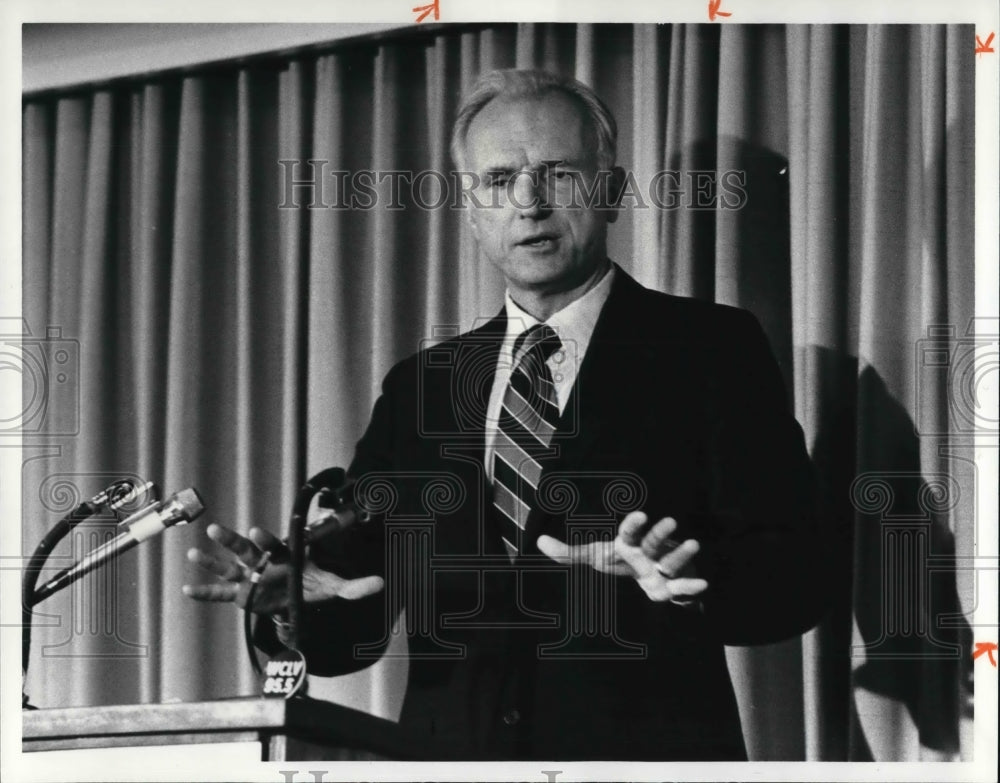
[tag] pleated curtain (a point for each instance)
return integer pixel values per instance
(230, 338)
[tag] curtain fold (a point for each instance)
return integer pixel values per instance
(187, 240)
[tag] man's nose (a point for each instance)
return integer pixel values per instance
(528, 194)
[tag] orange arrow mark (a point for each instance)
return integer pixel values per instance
(988, 648)
(714, 7)
(427, 10)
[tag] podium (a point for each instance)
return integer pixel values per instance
(293, 729)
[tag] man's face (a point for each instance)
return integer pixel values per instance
(531, 156)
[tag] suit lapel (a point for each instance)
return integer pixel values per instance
(461, 398)
(456, 379)
(474, 376)
(599, 401)
(599, 396)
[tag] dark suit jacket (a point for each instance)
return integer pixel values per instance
(678, 410)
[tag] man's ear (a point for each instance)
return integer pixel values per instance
(616, 185)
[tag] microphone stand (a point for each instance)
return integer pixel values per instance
(324, 480)
(115, 496)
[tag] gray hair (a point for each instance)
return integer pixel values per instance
(514, 83)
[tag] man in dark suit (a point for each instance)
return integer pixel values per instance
(578, 503)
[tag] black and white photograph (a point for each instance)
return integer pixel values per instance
(442, 393)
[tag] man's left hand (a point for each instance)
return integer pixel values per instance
(663, 569)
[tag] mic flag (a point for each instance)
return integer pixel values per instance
(285, 675)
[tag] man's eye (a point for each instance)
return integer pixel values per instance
(561, 177)
(497, 180)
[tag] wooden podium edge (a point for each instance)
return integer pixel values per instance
(302, 718)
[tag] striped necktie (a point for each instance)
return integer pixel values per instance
(527, 422)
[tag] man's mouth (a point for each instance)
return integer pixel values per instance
(539, 241)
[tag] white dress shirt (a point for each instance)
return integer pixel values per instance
(574, 325)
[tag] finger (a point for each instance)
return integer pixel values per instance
(599, 555)
(232, 570)
(242, 547)
(673, 564)
(554, 549)
(630, 530)
(687, 587)
(352, 589)
(561, 552)
(680, 591)
(657, 541)
(265, 541)
(604, 556)
(215, 592)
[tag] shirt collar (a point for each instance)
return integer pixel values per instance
(574, 323)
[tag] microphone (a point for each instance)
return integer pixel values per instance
(336, 492)
(179, 508)
(113, 497)
(344, 511)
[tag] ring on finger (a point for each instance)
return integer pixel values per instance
(255, 573)
(244, 570)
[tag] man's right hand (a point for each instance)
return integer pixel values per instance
(241, 556)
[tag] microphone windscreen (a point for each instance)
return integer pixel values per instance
(190, 502)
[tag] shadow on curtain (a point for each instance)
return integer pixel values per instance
(232, 338)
